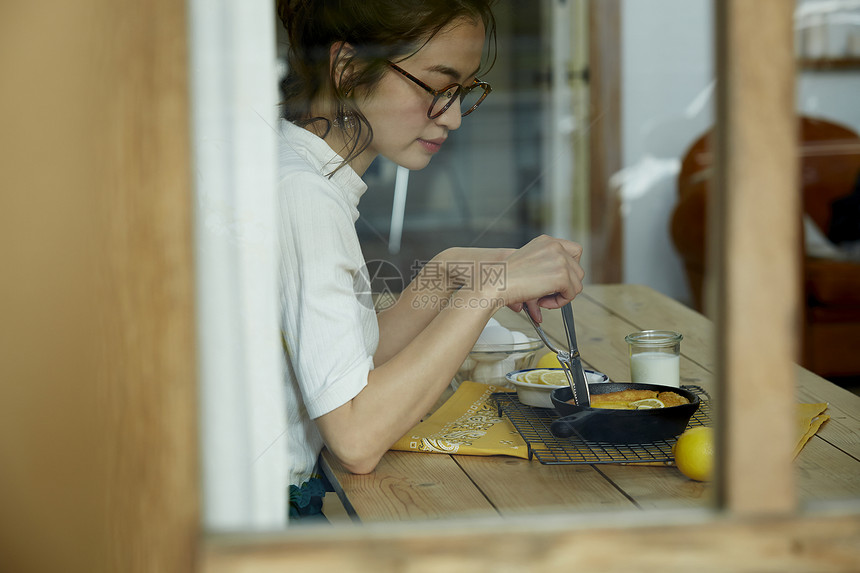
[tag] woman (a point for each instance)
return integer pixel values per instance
(392, 78)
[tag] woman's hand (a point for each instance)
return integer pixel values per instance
(545, 273)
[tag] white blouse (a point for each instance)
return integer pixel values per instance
(328, 321)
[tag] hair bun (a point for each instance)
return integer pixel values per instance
(290, 10)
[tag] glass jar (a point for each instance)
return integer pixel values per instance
(655, 357)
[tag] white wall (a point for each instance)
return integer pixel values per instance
(833, 95)
(666, 80)
(667, 73)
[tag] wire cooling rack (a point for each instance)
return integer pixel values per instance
(533, 425)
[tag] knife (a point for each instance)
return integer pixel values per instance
(571, 361)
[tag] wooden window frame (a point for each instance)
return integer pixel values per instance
(120, 420)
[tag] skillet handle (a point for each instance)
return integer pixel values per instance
(562, 427)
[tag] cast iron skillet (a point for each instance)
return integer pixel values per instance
(621, 426)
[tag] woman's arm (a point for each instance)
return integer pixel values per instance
(401, 390)
(404, 387)
(429, 292)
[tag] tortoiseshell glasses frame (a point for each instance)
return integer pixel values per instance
(448, 94)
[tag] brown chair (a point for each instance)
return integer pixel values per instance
(830, 165)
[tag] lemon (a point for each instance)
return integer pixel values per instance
(553, 378)
(532, 376)
(548, 360)
(647, 404)
(694, 453)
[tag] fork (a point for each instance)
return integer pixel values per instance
(544, 338)
(569, 359)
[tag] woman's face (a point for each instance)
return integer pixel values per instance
(397, 107)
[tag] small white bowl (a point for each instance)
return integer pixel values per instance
(538, 395)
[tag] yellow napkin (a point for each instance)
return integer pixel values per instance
(467, 423)
(809, 419)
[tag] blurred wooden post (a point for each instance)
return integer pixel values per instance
(604, 54)
(98, 422)
(753, 287)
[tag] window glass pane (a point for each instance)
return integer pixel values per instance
(595, 131)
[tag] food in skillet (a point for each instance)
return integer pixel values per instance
(636, 400)
(627, 426)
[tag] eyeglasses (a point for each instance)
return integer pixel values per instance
(470, 96)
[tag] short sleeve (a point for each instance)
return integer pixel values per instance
(329, 323)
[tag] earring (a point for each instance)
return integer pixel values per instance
(344, 120)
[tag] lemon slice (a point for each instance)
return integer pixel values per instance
(553, 378)
(532, 376)
(647, 404)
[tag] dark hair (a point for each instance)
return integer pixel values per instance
(378, 31)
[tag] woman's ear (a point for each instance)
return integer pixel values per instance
(340, 55)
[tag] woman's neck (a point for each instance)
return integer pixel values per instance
(337, 140)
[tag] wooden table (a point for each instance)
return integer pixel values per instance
(420, 486)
